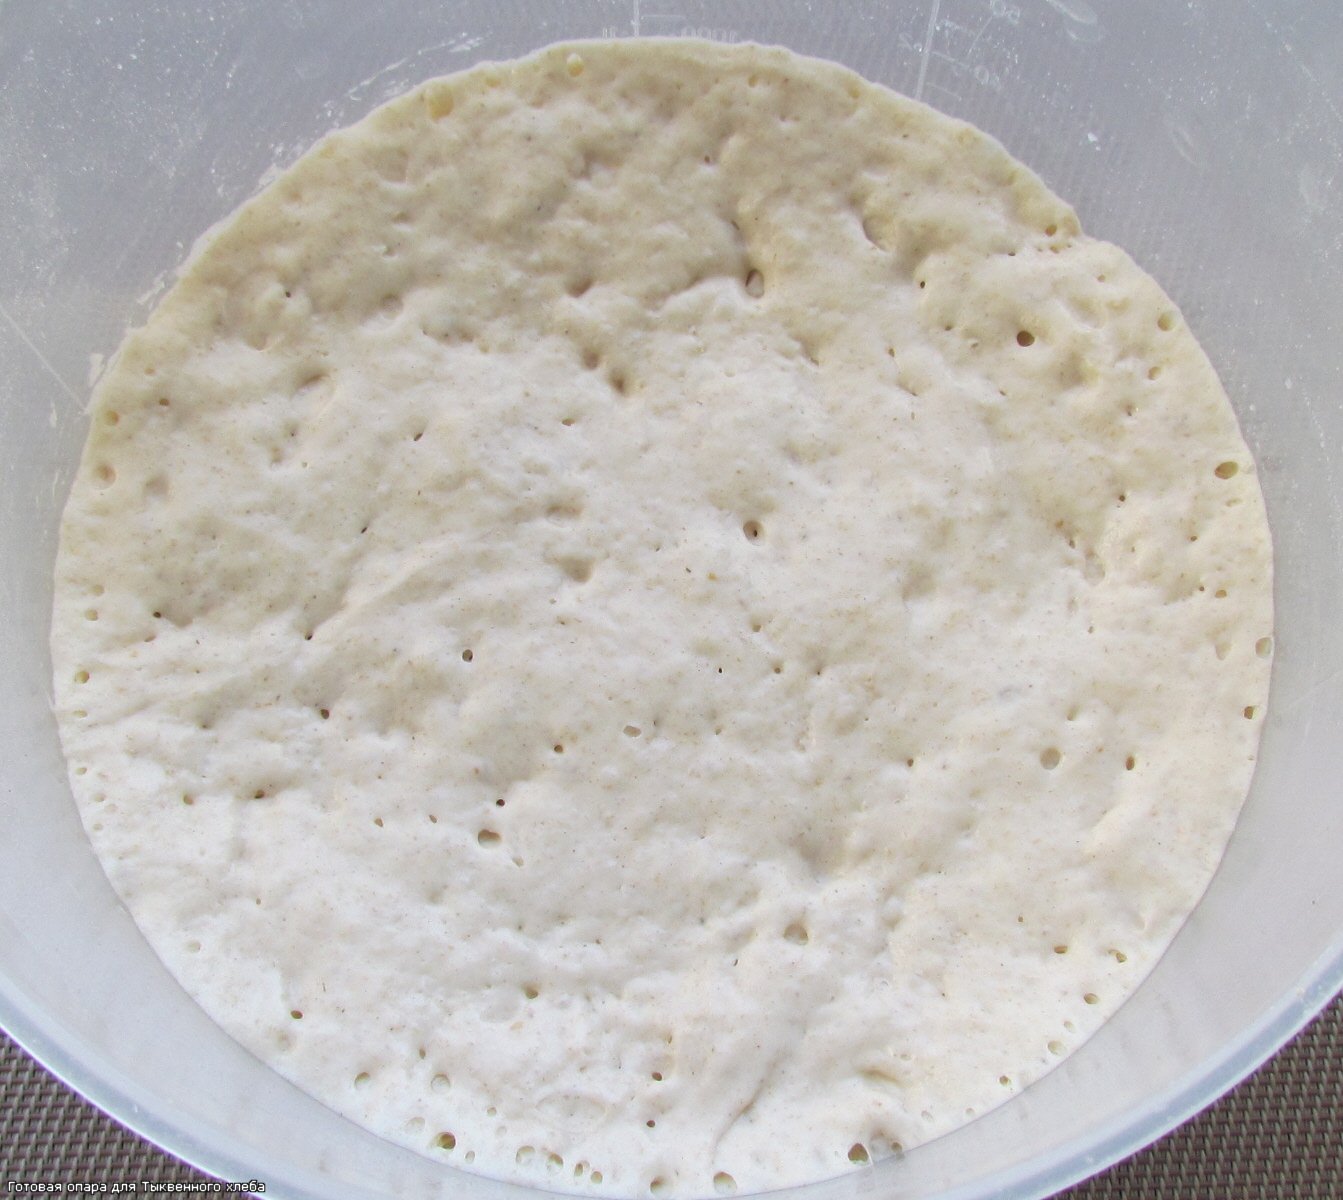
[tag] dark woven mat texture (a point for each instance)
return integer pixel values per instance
(1278, 1136)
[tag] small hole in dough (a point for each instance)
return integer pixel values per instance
(578, 569)
(632, 731)
(753, 530)
(755, 284)
(1025, 338)
(1249, 712)
(1166, 322)
(1226, 470)
(488, 837)
(1264, 647)
(446, 1141)
(724, 1184)
(467, 656)
(1050, 758)
(797, 934)
(858, 1153)
(362, 1080)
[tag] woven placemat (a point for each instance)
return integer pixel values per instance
(1278, 1136)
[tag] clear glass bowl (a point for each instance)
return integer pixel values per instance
(1204, 137)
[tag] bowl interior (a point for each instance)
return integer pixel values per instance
(1203, 138)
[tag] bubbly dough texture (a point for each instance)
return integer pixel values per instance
(657, 618)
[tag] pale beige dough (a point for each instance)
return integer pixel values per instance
(658, 618)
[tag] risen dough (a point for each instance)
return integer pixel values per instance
(658, 617)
